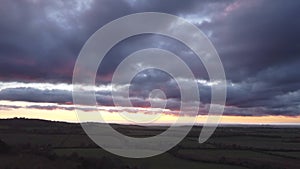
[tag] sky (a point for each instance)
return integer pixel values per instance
(258, 42)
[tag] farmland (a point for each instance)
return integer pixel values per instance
(53, 144)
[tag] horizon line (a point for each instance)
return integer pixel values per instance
(222, 124)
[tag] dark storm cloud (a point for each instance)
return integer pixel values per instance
(40, 40)
(256, 35)
(36, 95)
(258, 43)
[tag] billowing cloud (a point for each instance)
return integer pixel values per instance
(258, 42)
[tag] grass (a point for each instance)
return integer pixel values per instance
(44, 139)
(164, 161)
(230, 147)
(295, 155)
(239, 157)
(256, 142)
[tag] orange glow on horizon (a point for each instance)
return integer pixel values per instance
(25, 111)
(71, 116)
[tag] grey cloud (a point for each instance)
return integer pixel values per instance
(258, 43)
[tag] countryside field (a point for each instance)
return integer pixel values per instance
(65, 145)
